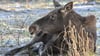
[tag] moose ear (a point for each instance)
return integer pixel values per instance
(68, 6)
(56, 4)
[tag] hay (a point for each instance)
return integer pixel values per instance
(77, 42)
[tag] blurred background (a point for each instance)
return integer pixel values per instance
(17, 15)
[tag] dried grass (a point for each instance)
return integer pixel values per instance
(77, 42)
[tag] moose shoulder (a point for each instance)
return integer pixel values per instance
(48, 27)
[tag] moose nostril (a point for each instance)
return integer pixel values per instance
(32, 29)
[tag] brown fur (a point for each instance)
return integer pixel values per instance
(90, 24)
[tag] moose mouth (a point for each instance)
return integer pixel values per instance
(43, 36)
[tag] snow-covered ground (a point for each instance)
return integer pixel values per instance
(14, 24)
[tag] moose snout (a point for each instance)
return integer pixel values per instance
(33, 29)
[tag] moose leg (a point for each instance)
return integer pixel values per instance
(35, 48)
(14, 51)
(42, 50)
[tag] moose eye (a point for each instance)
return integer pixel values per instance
(53, 17)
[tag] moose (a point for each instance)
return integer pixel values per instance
(47, 28)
